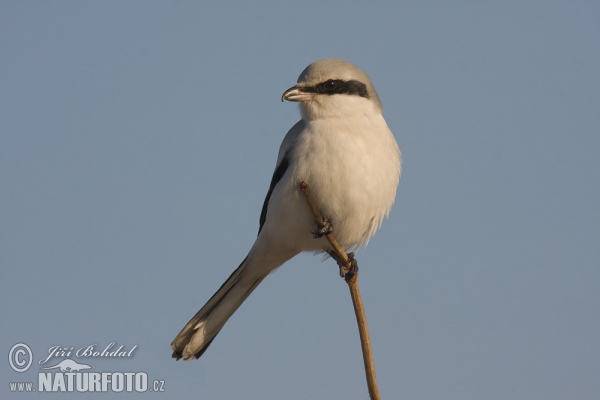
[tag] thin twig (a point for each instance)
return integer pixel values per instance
(349, 270)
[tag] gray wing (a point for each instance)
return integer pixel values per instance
(284, 160)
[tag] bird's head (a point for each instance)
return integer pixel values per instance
(332, 87)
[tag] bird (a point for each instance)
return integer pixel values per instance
(344, 150)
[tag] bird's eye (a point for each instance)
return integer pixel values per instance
(330, 85)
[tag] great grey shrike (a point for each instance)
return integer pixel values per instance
(343, 148)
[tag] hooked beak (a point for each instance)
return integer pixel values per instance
(297, 93)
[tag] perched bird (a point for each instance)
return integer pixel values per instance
(343, 148)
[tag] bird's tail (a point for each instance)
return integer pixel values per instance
(198, 334)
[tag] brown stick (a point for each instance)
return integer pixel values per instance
(348, 264)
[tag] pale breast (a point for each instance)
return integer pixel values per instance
(353, 168)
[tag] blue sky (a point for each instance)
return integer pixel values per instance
(138, 140)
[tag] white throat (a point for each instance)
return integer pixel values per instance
(337, 106)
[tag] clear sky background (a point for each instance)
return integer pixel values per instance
(138, 139)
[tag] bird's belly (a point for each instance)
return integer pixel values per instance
(352, 173)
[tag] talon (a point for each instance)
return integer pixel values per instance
(350, 257)
(323, 228)
(350, 269)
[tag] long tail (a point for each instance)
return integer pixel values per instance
(198, 334)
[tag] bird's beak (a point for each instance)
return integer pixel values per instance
(297, 93)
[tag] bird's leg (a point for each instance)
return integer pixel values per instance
(324, 227)
(347, 270)
(347, 263)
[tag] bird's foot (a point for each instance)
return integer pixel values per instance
(349, 269)
(323, 228)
